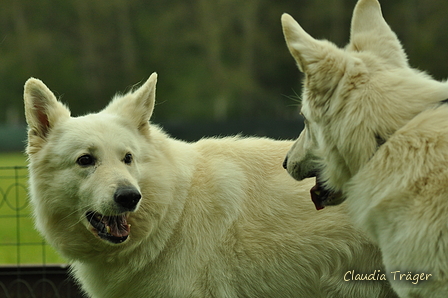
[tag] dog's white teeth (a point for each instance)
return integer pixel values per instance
(317, 192)
(108, 229)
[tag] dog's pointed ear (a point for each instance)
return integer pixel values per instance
(138, 105)
(146, 98)
(370, 32)
(300, 43)
(42, 111)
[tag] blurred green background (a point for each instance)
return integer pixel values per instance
(219, 61)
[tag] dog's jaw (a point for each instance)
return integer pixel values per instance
(322, 196)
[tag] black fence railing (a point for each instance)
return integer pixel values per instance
(29, 268)
(49, 281)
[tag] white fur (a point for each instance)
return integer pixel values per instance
(352, 98)
(217, 218)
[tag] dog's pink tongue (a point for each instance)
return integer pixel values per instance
(117, 225)
(316, 196)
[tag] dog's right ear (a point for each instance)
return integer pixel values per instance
(304, 48)
(42, 111)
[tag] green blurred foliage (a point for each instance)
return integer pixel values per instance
(216, 59)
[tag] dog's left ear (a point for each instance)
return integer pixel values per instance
(138, 105)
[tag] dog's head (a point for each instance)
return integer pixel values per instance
(86, 171)
(353, 99)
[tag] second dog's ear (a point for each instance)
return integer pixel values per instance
(308, 51)
(370, 32)
(297, 40)
(138, 105)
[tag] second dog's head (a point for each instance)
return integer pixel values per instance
(353, 99)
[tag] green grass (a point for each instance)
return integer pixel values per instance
(12, 159)
(20, 243)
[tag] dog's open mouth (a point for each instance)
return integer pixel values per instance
(322, 196)
(114, 229)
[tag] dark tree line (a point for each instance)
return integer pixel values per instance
(216, 59)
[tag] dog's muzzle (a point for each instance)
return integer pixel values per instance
(115, 228)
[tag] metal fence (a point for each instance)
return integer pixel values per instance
(29, 268)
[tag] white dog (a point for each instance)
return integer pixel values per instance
(139, 214)
(377, 135)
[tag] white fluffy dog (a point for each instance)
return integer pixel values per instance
(140, 214)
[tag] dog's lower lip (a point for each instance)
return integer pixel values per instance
(322, 197)
(316, 197)
(112, 228)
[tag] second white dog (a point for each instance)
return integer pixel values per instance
(377, 135)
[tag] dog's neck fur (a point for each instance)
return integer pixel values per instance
(380, 140)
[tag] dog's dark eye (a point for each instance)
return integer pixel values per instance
(86, 160)
(127, 158)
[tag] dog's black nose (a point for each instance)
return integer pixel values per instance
(285, 163)
(127, 197)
